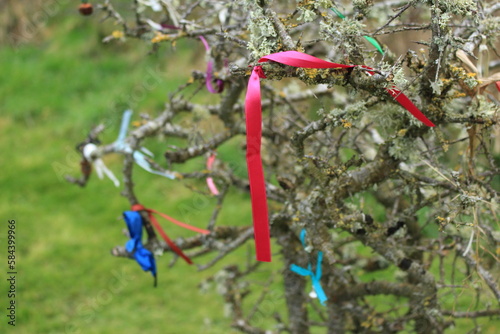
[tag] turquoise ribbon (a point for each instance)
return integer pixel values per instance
(371, 40)
(139, 158)
(315, 277)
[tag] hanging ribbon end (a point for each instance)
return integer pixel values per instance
(263, 252)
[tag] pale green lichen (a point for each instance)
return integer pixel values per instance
(398, 77)
(362, 6)
(458, 7)
(343, 33)
(444, 20)
(306, 15)
(351, 114)
(403, 148)
(471, 81)
(468, 200)
(482, 107)
(437, 87)
(306, 12)
(362, 3)
(262, 34)
(323, 4)
(491, 29)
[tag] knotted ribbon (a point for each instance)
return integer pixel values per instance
(99, 165)
(134, 246)
(315, 277)
(253, 112)
(156, 224)
(139, 158)
(210, 70)
(210, 182)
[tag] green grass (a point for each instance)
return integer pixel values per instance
(51, 94)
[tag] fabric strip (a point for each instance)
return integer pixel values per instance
(253, 113)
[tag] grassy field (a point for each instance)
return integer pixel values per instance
(52, 91)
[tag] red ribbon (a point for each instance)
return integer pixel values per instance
(170, 243)
(253, 112)
(404, 101)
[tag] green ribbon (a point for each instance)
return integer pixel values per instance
(371, 40)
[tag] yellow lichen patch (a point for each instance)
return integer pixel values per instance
(346, 124)
(471, 74)
(458, 94)
(402, 132)
(311, 72)
(159, 37)
(282, 94)
(441, 219)
(117, 34)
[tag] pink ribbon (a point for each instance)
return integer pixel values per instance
(253, 112)
(210, 70)
(210, 181)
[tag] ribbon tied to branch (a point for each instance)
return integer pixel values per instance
(157, 226)
(253, 112)
(315, 276)
(122, 146)
(210, 70)
(100, 167)
(134, 246)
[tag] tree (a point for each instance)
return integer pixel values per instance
(357, 185)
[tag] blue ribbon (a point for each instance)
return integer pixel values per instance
(315, 277)
(139, 158)
(134, 246)
(303, 237)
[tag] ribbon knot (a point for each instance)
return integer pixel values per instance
(315, 276)
(156, 224)
(253, 113)
(143, 256)
(100, 167)
(260, 72)
(122, 146)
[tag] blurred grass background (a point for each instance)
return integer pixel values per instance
(55, 84)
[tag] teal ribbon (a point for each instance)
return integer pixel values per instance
(371, 40)
(315, 277)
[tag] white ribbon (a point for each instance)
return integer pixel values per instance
(99, 165)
